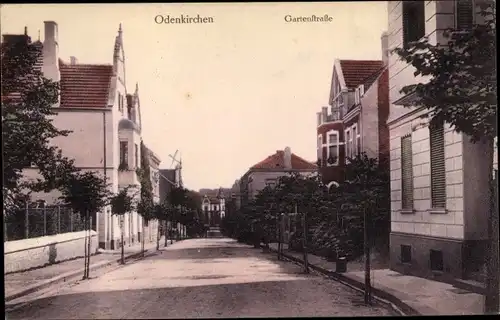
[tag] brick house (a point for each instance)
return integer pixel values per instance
(267, 172)
(439, 216)
(105, 126)
(356, 119)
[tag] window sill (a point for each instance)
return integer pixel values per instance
(406, 211)
(332, 165)
(437, 211)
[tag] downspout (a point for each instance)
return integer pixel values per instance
(107, 222)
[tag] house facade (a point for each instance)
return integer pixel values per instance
(355, 120)
(105, 125)
(268, 171)
(214, 208)
(439, 215)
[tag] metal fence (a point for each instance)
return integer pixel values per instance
(40, 220)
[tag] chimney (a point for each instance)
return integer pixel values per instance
(324, 113)
(51, 52)
(73, 60)
(287, 158)
(385, 48)
(318, 115)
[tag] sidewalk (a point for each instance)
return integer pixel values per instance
(413, 295)
(23, 283)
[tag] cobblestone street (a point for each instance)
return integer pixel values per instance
(208, 278)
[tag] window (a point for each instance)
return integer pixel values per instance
(436, 257)
(120, 106)
(464, 14)
(348, 143)
(406, 173)
(123, 153)
(136, 155)
(354, 138)
(438, 177)
(356, 97)
(320, 147)
(405, 253)
(413, 21)
(333, 148)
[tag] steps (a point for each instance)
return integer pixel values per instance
(214, 232)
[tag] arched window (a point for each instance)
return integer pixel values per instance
(332, 184)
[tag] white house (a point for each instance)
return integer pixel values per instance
(105, 121)
(439, 198)
(214, 208)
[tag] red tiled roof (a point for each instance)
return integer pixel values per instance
(276, 161)
(356, 72)
(85, 85)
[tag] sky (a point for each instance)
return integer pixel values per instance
(225, 94)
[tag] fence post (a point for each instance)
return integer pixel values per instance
(44, 219)
(26, 222)
(58, 219)
(71, 220)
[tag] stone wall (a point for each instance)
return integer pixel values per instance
(31, 253)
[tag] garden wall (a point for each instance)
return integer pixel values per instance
(26, 254)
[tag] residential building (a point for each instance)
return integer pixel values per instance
(268, 171)
(439, 201)
(105, 125)
(213, 206)
(355, 120)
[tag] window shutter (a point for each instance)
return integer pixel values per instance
(406, 23)
(406, 173)
(438, 177)
(464, 14)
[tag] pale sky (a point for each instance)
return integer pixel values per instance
(226, 94)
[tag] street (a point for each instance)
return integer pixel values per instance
(209, 278)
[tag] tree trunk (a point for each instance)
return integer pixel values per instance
(89, 252)
(85, 249)
(367, 255)
(158, 235)
(122, 228)
(166, 233)
(143, 237)
(304, 242)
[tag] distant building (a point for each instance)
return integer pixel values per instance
(213, 207)
(267, 172)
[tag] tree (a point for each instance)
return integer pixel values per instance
(145, 205)
(462, 91)
(161, 213)
(27, 128)
(121, 204)
(87, 193)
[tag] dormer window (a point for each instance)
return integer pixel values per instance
(361, 90)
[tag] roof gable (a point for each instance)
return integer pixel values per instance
(276, 161)
(357, 72)
(85, 85)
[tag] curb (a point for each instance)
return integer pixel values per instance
(381, 296)
(68, 276)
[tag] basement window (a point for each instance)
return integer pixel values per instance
(436, 257)
(405, 253)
